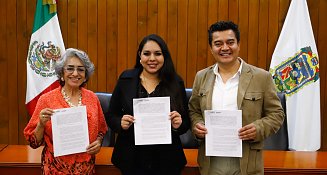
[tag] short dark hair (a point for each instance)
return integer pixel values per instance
(223, 26)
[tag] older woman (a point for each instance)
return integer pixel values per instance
(74, 70)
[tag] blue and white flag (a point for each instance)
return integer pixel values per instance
(295, 68)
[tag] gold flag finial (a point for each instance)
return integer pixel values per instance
(52, 5)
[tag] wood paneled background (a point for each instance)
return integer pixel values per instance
(109, 31)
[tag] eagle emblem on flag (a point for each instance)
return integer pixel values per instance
(42, 58)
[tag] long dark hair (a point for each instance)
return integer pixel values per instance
(167, 74)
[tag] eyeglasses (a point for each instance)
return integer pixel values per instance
(71, 70)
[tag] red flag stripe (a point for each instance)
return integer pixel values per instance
(32, 104)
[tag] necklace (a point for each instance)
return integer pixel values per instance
(67, 98)
(149, 85)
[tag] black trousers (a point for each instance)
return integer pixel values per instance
(150, 172)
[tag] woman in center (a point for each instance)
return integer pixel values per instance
(153, 75)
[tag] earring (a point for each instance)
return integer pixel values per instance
(62, 79)
(141, 61)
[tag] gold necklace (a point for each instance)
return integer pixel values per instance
(151, 83)
(67, 98)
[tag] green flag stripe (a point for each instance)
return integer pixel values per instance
(42, 15)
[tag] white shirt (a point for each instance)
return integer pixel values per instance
(224, 95)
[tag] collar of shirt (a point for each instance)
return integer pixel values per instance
(215, 69)
(225, 94)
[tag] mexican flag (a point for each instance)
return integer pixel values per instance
(46, 46)
(295, 69)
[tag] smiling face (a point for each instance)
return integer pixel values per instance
(152, 58)
(74, 73)
(224, 47)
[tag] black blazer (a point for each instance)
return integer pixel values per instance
(126, 155)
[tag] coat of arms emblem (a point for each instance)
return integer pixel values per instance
(297, 71)
(42, 58)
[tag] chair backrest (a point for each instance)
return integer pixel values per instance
(188, 140)
(104, 98)
(279, 141)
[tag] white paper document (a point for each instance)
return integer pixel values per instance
(152, 124)
(69, 130)
(222, 138)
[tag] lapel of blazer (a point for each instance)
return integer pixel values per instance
(209, 83)
(245, 78)
(130, 87)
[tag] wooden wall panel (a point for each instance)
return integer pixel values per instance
(212, 18)
(71, 23)
(172, 29)
(112, 37)
(110, 31)
(152, 16)
(272, 28)
(263, 33)
(21, 56)
(132, 44)
(202, 37)
(4, 116)
(102, 46)
(244, 28)
(313, 5)
(223, 10)
(162, 18)
(181, 62)
(82, 24)
(191, 41)
(142, 12)
(233, 9)
(63, 20)
(253, 32)
(122, 35)
(12, 70)
(322, 51)
(92, 38)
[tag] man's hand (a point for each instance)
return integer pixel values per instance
(200, 130)
(248, 132)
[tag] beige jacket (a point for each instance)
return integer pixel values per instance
(259, 103)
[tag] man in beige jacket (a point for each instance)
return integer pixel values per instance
(232, 84)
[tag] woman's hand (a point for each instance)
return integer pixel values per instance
(45, 116)
(126, 121)
(176, 119)
(94, 147)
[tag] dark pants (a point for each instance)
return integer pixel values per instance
(150, 172)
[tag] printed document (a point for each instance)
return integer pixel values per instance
(69, 131)
(152, 124)
(222, 138)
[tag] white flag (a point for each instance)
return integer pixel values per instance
(295, 68)
(46, 46)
